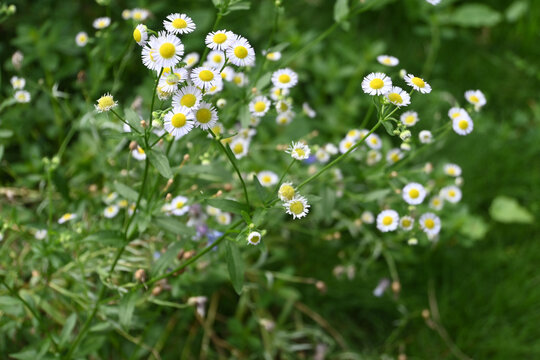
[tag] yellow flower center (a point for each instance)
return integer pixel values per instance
(179, 204)
(395, 98)
(206, 75)
(376, 84)
(436, 202)
(418, 82)
(451, 193)
(238, 148)
(179, 23)
(474, 99)
(352, 133)
(410, 119)
(455, 115)
(220, 38)
(237, 80)
(348, 144)
(140, 150)
(178, 120)
(429, 223)
(240, 52)
(283, 106)
(255, 239)
(387, 61)
(66, 216)
(387, 220)
(259, 106)
(394, 157)
(300, 152)
(204, 115)
(406, 222)
(167, 50)
(217, 58)
(451, 171)
(123, 203)
(137, 15)
(374, 140)
(266, 179)
(284, 78)
(188, 100)
(105, 102)
(286, 191)
(190, 61)
(101, 23)
(82, 38)
(463, 124)
(296, 207)
(137, 36)
(414, 193)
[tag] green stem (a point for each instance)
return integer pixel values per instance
(147, 129)
(214, 28)
(433, 48)
(366, 118)
(125, 122)
(233, 163)
(268, 44)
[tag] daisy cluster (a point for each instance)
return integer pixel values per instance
(20, 95)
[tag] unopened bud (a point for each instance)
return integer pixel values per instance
(321, 286)
(402, 73)
(189, 254)
(157, 290)
(140, 275)
(221, 103)
(227, 187)
(405, 135)
(426, 314)
(132, 145)
(393, 174)
(144, 125)
(396, 287)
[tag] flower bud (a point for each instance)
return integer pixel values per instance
(221, 103)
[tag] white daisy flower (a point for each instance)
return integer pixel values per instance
(298, 207)
(430, 224)
(374, 142)
(240, 52)
(345, 145)
(277, 94)
(139, 153)
(406, 223)
(110, 197)
(376, 84)
(101, 23)
(205, 77)
(298, 151)
(212, 211)
(425, 137)
(436, 203)
(191, 59)
(205, 116)
(239, 147)
(126, 14)
(434, 2)
(240, 79)
(354, 134)
(122, 203)
(284, 118)
(169, 81)
(179, 24)
(367, 217)
(393, 156)
(140, 34)
(40, 234)
(22, 96)
(409, 118)
(373, 157)
(149, 54)
(387, 60)
(398, 96)
(105, 103)
(216, 59)
(179, 205)
(227, 74)
(216, 88)
(267, 178)
(81, 39)
(475, 97)
(286, 191)
(272, 56)
(67, 217)
(308, 110)
(417, 84)
(387, 220)
(462, 125)
(284, 105)
(254, 238)
(224, 218)
(219, 40)
(179, 121)
(322, 155)
(259, 106)
(331, 149)
(111, 211)
(413, 193)
(168, 50)
(284, 78)
(188, 96)
(451, 193)
(140, 14)
(17, 83)
(452, 170)
(457, 112)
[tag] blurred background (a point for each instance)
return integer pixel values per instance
(484, 282)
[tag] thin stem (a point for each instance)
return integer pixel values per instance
(214, 28)
(233, 163)
(125, 122)
(146, 130)
(269, 44)
(366, 118)
(31, 309)
(161, 137)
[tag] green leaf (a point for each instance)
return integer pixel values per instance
(126, 192)
(228, 205)
(474, 227)
(126, 308)
(376, 195)
(160, 162)
(516, 10)
(389, 127)
(261, 191)
(67, 330)
(341, 10)
(507, 210)
(240, 5)
(106, 237)
(263, 81)
(235, 265)
(174, 226)
(4, 133)
(474, 15)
